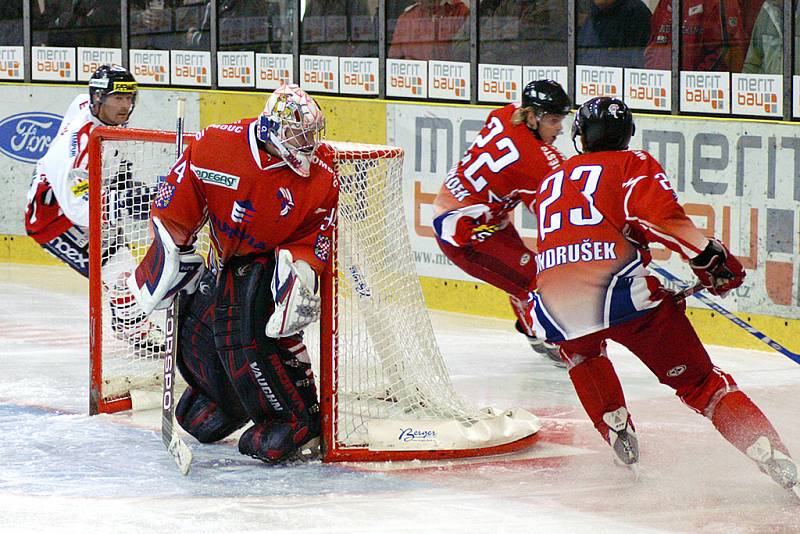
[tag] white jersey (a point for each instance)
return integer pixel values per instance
(65, 165)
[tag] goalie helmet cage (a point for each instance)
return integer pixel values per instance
(385, 393)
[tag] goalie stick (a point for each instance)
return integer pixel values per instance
(741, 323)
(176, 447)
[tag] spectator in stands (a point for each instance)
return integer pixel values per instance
(765, 54)
(709, 40)
(523, 32)
(432, 29)
(338, 28)
(614, 34)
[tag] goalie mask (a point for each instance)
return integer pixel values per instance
(292, 123)
(108, 80)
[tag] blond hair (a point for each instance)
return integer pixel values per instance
(520, 115)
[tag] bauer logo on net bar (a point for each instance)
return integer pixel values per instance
(53, 63)
(407, 78)
(150, 66)
(11, 62)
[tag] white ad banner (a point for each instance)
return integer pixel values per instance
(705, 92)
(499, 83)
(319, 73)
(358, 75)
(558, 74)
(796, 96)
(12, 63)
(592, 81)
(272, 69)
(407, 78)
(236, 69)
(191, 68)
(449, 79)
(53, 63)
(150, 67)
(648, 89)
(757, 94)
(90, 59)
(740, 182)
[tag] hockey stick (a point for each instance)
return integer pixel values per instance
(177, 448)
(741, 323)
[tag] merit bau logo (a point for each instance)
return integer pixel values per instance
(707, 92)
(273, 69)
(150, 66)
(27, 136)
(320, 73)
(499, 83)
(359, 75)
(236, 69)
(449, 79)
(757, 94)
(191, 68)
(597, 81)
(11, 63)
(407, 78)
(53, 63)
(648, 89)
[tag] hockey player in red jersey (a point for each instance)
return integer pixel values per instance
(502, 168)
(268, 191)
(596, 215)
(57, 212)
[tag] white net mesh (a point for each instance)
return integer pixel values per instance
(385, 362)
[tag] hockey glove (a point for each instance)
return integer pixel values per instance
(294, 285)
(134, 201)
(165, 270)
(718, 270)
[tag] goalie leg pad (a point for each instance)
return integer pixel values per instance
(272, 377)
(71, 247)
(204, 419)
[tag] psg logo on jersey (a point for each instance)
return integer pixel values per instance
(243, 211)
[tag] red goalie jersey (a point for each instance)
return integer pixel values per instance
(254, 204)
(596, 215)
(499, 170)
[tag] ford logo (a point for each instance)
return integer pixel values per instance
(26, 136)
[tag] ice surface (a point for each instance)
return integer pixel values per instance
(63, 471)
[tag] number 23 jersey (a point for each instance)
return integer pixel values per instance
(596, 215)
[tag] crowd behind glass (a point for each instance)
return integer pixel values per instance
(736, 36)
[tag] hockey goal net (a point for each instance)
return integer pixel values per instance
(384, 390)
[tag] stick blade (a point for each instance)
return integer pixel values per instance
(181, 453)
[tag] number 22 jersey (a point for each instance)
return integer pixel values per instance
(596, 215)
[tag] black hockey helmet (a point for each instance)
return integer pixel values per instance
(603, 123)
(546, 96)
(108, 79)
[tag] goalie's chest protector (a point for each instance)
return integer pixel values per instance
(255, 202)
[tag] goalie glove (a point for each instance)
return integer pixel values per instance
(294, 287)
(165, 270)
(468, 225)
(718, 270)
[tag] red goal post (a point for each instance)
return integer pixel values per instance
(385, 392)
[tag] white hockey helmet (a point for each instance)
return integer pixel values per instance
(293, 123)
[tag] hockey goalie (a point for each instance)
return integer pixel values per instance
(266, 187)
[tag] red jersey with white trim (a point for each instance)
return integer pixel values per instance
(253, 201)
(59, 193)
(596, 215)
(502, 168)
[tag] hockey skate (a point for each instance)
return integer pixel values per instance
(280, 442)
(547, 350)
(777, 465)
(622, 438)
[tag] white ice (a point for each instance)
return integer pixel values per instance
(63, 471)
